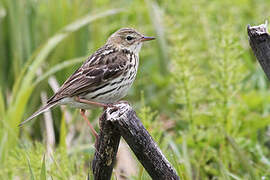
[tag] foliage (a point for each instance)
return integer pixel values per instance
(199, 90)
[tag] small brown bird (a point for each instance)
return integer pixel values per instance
(104, 78)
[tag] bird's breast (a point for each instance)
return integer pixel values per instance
(117, 88)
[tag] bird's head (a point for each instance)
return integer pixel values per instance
(129, 39)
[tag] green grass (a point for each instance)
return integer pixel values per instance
(199, 91)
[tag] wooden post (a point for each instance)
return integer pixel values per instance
(259, 40)
(122, 121)
(106, 149)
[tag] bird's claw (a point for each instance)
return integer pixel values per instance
(111, 106)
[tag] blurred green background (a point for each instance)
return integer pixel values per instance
(199, 90)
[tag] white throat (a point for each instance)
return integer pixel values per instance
(135, 48)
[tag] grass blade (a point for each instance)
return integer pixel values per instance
(156, 14)
(243, 159)
(43, 169)
(2, 104)
(30, 170)
(59, 67)
(63, 132)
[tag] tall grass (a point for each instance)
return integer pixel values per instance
(199, 90)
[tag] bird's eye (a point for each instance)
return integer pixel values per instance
(129, 38)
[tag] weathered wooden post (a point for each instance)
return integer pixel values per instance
(122, 121)
(259, 40)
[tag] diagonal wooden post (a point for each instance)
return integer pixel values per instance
(259, 40)
(122, 121)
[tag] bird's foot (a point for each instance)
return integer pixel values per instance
(114, 107)
(111, 106)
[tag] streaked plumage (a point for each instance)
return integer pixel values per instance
(105, 76)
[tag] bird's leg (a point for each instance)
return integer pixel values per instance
(93, 103)
(82, 112)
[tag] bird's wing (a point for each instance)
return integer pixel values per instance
(98, 70)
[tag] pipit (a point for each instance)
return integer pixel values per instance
(104, 78)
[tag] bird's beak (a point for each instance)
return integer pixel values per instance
(145, 38)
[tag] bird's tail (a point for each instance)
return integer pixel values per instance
(38, 112)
